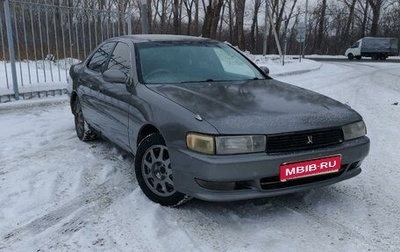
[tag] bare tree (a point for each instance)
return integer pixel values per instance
(362, 15)
(281, 10)
(149, 15)
(230, 20)
(254, 25)
(239, 22)
(350, 20)
(196, 17)
(321, 25)
(211, 19)
(389, 26)
(161, 8)
(189, 8)
(332, 25)
(221, 22)
(376, 12)
(175, 10)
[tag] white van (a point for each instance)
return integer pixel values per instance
(376, 48)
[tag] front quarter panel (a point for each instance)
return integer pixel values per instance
(170, 119)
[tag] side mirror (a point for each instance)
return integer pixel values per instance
(265, 69)
(96, 66)
(115, 76)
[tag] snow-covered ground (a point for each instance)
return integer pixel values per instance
(60, 194)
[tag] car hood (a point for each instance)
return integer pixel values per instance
(258, 106)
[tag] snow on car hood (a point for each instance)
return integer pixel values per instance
(258, 106)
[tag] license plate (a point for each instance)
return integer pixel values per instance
(315, 167)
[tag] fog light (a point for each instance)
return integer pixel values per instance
(222, 186)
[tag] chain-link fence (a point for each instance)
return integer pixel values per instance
(46, 39)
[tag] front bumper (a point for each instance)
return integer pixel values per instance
(239, 177)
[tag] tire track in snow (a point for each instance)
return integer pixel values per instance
(68, 218)
(222, 226)
(342, 233)
(56, 216)
(378, 232)
(62, 218)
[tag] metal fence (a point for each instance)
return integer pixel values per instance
(40, 41)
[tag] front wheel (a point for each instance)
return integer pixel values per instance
(154, 173)
(350, 56)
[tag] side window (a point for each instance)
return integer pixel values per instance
(356, 45)
(120, 59)
(99, 59)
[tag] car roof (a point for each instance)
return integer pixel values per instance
(139, 38)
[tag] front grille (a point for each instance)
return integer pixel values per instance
(304, 140)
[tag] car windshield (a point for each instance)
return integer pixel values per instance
(183, 62)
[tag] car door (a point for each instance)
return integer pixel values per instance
(115, 97)
(90, 81)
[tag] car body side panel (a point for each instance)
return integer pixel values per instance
(115, 104)
(89, 96)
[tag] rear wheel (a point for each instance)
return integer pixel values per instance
(154, 173)
(82, 129)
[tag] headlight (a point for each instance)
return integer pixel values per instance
(200, 143)
(222, 145)
(354, 130)
(240, 144)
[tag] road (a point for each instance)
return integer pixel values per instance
(344, 59)
(60, 194)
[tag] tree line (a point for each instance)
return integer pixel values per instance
(331, 26)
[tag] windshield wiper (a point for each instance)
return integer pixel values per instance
(198, 81)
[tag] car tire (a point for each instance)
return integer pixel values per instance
(350, 56)
(154, 173)
(83, 131)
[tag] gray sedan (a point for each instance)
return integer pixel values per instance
(204, 121)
